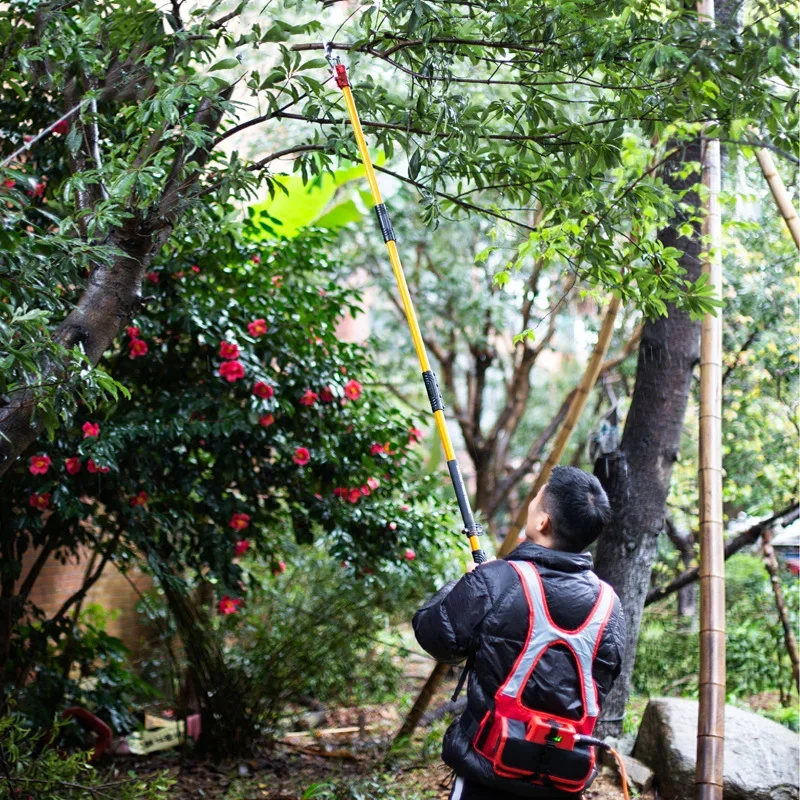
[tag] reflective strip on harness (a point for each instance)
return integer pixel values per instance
(544, 633)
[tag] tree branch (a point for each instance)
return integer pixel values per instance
(750, 536)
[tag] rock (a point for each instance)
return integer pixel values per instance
(640, 776)
(761, 756)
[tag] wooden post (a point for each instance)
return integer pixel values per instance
(711, 715)
(422, 702)
(782, 197)
(771, 564)
(573, 415)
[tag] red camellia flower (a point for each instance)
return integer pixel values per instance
(195, 268)
(92, 467)
(309, 398)
(229, 605)
(276, 280)
(376, 449)
(9, 183)
(231, 370)
(263, 390)
(229, 351)
(279, 569)
(178, 274)
(266, 420)
(301, 456)
(353, 495)
(392, 526)
(373, 483)
(73, 465)
(39, 465)
(61, 127)
(256, 259)
(326, 395)
(242, 546)
(152, 277)
(38, 190)
(39, 501)
(239, 521)
(414, 436)
(340, 491)
(365, 490)
(139, 500)
(90, 429)
(258, 327)
(410, 555)
(352, 389)
(133, 332)
(137, 348)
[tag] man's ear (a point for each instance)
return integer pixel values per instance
(543, 524)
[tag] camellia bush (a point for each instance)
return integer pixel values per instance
(247, 427)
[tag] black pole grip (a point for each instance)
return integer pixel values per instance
(478, 556)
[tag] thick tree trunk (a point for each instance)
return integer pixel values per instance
(637, 476)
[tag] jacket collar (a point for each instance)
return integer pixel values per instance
(552, 559)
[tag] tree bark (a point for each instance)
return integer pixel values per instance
(637, 476)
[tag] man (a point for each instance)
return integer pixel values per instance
(537, 680)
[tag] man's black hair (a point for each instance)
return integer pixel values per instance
(578, 508)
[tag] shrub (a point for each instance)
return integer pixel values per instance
(33, 768)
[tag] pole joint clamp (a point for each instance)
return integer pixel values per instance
(385, 223)
(476, 529)
(434, 393)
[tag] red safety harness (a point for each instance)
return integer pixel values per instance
(527, 744)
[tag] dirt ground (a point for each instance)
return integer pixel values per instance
(346, 765)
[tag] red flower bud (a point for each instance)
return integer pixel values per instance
(258, 327)
(39, 465)
(353, 495)
(139, 500)
(231, 371)
(326, 395)
(266, 420)
(152, 277)
(410, 555)
(137, 348)
(61, 127)
(239, 521)
(352, 389)
(229, 351)
(90, 429)
(309, 398)
(40, 501)
(242, 546)
(263, 390)
(301, 456)
(228, 605)
(73, 465)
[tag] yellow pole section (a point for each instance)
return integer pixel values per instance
(397, 269)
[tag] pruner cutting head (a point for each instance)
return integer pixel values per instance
(327, 48)
(339, 69)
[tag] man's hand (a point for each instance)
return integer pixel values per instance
(472, 565)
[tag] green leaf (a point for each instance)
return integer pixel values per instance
(226, 63)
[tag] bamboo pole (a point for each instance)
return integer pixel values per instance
(778, 189)
(711, 713)
(771, 564)
(582, 393)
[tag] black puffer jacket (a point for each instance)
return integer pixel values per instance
(485, 615)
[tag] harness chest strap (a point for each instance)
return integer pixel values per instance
(543, 633)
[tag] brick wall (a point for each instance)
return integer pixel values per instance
(58, 581)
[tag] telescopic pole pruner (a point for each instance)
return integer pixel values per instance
(471, 528)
